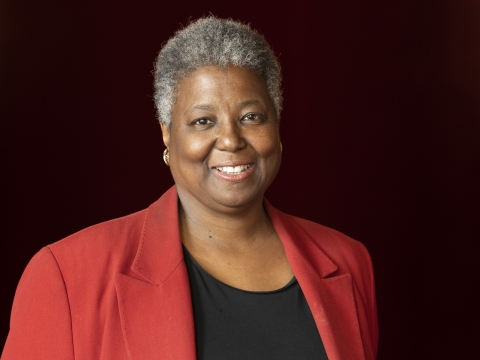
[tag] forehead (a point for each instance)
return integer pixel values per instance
(214, 85)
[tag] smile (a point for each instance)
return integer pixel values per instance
(235, 173)
(233, 170)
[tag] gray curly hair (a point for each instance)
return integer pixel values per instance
(213, 41)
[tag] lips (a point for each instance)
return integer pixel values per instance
(233, 172)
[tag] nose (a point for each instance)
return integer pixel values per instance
(230, 137)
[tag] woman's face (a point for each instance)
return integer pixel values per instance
(223, 142)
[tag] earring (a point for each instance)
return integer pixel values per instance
(166, 157)
(281, 147)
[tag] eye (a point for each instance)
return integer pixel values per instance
(253, 117)
(202, 122)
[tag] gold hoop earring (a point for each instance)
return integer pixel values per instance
(166, 157)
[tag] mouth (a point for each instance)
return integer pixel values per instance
(235, 173)
(233, 170)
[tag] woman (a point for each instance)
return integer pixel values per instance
(211, 270)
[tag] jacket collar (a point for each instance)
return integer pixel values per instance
(330, 298)
(157, 315)
(296, 241)
(156, 310)
(160, 248)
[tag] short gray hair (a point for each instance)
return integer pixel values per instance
(213, 41)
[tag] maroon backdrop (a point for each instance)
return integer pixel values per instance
(381, 138)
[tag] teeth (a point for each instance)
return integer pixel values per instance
(233, 169)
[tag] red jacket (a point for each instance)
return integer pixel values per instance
(119, 290)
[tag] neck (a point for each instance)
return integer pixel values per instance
(230, 229)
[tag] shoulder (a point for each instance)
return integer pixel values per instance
(111, 237)
(327, 237)
(99, 251)
(348, 254)
(68, 289)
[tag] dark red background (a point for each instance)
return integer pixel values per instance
(381, 138)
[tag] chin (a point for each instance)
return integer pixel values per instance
(236, 199)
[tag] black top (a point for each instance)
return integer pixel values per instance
(236, 324)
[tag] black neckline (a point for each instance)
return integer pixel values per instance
(199, 267)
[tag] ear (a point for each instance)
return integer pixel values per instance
(165, 134)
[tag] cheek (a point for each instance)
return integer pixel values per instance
(267, 144)
(190, 147)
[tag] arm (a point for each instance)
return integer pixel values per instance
(374, 315)
(40, 324)
(371, 309)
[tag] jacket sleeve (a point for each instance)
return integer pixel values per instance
(372, 310)
(40, 324)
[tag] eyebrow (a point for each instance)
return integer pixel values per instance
(209, 107)
(244, 104)
(202, 107)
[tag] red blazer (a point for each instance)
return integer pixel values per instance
(119, 290)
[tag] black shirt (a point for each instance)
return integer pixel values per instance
(233, 324)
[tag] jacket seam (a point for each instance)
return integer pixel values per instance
(66, 294)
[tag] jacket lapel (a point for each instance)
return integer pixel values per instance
(155, 306)
(330, 298)
(155, 301)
